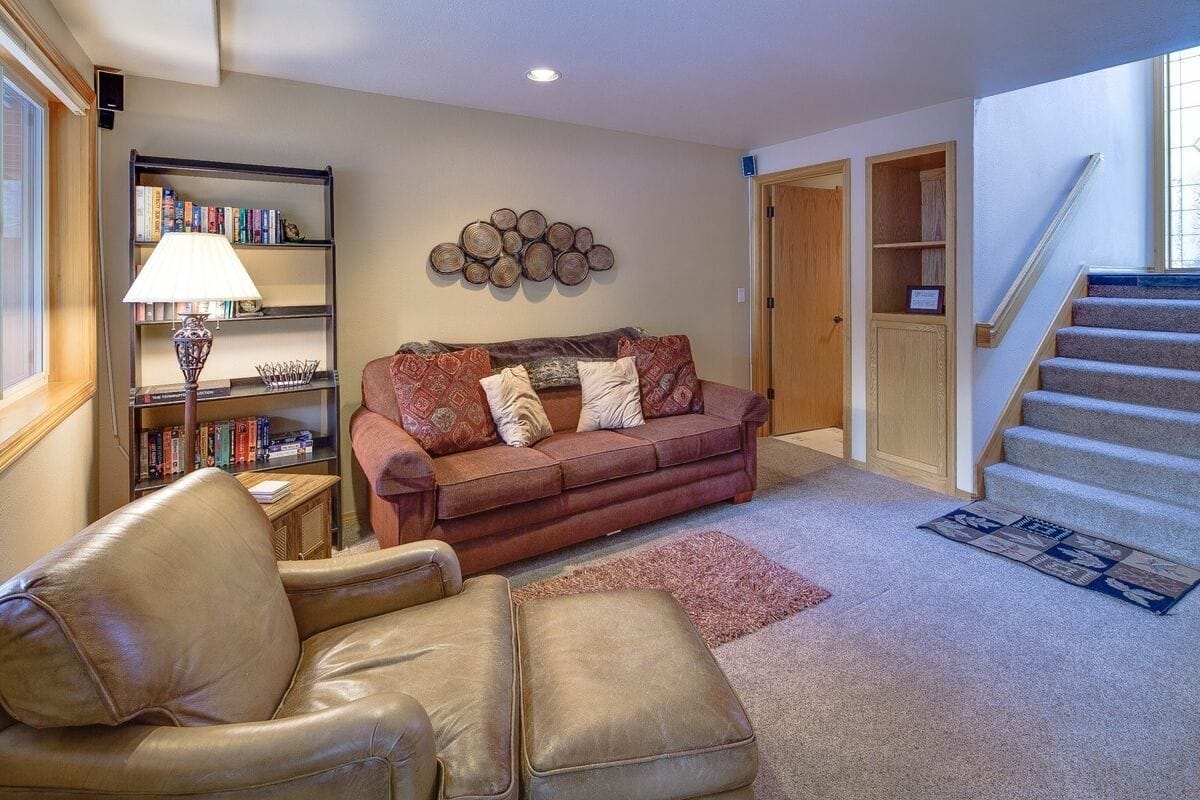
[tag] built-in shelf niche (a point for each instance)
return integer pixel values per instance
(908, 231)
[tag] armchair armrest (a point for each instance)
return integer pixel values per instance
(390, 458)
(334, 591)
(734, 404)
(376, 747)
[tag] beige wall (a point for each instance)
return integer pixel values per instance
(50, 492)
(410, 174)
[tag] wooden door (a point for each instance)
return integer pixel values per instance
(806, 326)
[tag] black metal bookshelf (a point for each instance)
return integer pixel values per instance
(324, 388)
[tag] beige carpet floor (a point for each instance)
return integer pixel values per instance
(936, 671)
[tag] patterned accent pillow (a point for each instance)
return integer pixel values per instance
(666, 375)
(440, 400)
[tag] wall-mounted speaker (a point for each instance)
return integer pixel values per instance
(110, 90)
(749, 167)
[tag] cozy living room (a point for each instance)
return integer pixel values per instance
(599, 401)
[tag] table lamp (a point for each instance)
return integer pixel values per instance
(193, 268)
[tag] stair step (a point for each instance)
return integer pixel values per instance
(1160, 476)
(1149, 348)
(1125, 383)
(1166, 430)
(1181, 316)
(1161, 528)
(1148, 285)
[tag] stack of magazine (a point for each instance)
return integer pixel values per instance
(267, 492)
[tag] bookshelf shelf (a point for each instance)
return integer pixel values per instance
(322, 454)
(243, 388)
(269, 314)
(307, 244)
(315, 406)
(910, 245)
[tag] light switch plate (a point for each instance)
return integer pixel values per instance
(741, 295)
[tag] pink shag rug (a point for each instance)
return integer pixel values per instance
(727, 588)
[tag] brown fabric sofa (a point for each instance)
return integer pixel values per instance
(163, 652)
(500, 504)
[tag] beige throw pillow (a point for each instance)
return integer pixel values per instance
(611, 395)
(515, 407)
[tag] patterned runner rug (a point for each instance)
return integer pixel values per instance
(727, 588)
(1082, 559)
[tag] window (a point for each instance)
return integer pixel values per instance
(22, 259)
(1180, 158)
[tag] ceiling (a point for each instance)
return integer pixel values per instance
(737, 73)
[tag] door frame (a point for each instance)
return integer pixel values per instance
(760, 326)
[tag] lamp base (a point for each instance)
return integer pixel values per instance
(192, 343)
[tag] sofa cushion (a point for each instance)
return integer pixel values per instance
(440, 401)
(169, 611)
(491, 477)
(688, 437)
(596, 456)
(666, 375)
(610, 395)
(455, 657)
(515, 407)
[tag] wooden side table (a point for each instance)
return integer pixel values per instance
(302, 521)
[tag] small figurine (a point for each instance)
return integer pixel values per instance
(291, 233)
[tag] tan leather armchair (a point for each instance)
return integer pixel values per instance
(163, 652)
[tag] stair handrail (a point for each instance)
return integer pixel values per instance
(989, 334)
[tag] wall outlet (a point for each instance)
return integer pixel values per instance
(741, 295)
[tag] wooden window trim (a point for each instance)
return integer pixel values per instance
(72, 258)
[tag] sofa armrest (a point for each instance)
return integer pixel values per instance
(390, 458)
(334, 591)
(376, 747)
(734, 404)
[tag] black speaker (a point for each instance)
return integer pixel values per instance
(110, 90)
(106, 119)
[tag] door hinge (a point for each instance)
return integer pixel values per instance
(770, 212)
(770, 302)
(770, 394)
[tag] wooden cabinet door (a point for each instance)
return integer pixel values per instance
(313, 528)
(806, 334)
(907, 397)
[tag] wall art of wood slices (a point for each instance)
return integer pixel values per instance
(510, 246)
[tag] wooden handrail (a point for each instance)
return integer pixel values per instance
(989, 334)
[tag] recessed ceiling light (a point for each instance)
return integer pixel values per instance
(543, 75)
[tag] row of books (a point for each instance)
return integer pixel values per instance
(159, 210)
(222, 443)
(171, 312)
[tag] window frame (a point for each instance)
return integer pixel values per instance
(71, 235)
(42, 241)
(1161, 190)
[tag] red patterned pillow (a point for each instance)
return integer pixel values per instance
(441, 403)
(666, 374)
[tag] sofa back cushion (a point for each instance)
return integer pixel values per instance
(169, 611)
(550, 362)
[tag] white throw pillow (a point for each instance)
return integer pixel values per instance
(516, 409)
(611, 396)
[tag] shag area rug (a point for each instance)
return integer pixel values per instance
(1082, 559)
(727, 588)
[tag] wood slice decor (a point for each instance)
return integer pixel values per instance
(447, 258)
(600, 257)
(532, 225)
(571, 268)
(481, 240)
(537, 262)
(504, 219)
(583, 239)
(476, 272)
(512, 242)
(505, 272)
(560, 236)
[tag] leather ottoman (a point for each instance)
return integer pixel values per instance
(622, 699)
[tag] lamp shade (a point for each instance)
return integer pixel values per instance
(192, 268)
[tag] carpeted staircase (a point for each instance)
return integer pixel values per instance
(1111, 441)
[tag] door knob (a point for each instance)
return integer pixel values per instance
(837, 318)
